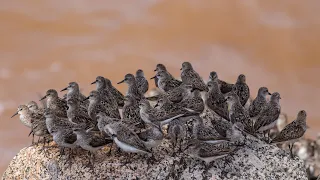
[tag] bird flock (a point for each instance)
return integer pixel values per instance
(137, 124)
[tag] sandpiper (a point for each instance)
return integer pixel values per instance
(207, 152)
(259, 102)
(224, 86)
(74, 92)
(90, 141)
(106, 97)
(237, 113)
(216, 101)
(155, 116)
(142, 82)
(58, 105)
(206, 133)
(132, 86)
(243, 90)
(293, 131)
(269, 115)
(115, 92)
(190, 76)
(165, 81)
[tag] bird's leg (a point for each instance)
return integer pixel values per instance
(109, 152)
(127, 159)
(32, 142)
(291, 153)
(89, 159)
(268, 136)
(92, 157)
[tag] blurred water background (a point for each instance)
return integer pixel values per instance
(46, 44)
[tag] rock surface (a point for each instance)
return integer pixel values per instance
(255, 160)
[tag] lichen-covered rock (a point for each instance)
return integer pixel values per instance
(256, 160)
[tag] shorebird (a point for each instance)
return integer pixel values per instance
(74, 92)
(207, 152)
(161, 68)
(39, 128)
(190, 76)
(267, 118)
(177, 132)
(216, 101)
(126, 139)
(107, 98)
(174, 95)
(132, 86)
(243, 90)
(223, 86)
(115, 92)
(55, 122)
(165, 81)
(142, 82)
(259, 102)
(155, 116)
(206, 133)
(222, 126)
(193, 100)
(237, 113)
(96, 105)
(90, 141)
(25, 115)
(34, 108)
(152, 136)
(293, 131)
(78, 115)
(131, 113)
(65, 138)
(58, 105)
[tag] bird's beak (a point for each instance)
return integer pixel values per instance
(120, 82)
(308, 127)
(279, 97)
(94, 82)
(180, 69)
(14, 114)
(43, 97)
(269, 93)
(153, 77)
(86, 98)
(155, 70)
(64, 89)
(225, 100)
(156, 105)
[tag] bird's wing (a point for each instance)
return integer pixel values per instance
(225, 87)
(70, 138)
(131, 138)
(291, 131)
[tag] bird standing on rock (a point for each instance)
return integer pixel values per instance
(259, 102)
(243, 90)
(293, 131)
(190, 76)
(56, 104)
(142, 82)
(269, 115)
(133, 89)
(224, 86)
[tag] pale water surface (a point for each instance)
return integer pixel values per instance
(46, 44)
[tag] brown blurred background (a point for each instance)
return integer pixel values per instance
(46, 44)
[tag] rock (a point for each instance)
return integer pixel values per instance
(255, 160)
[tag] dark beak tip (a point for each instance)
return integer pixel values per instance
(155, 70)
(180, 68)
